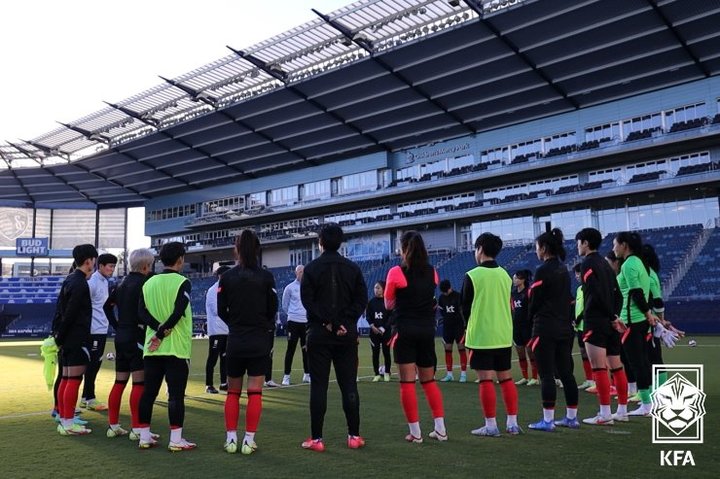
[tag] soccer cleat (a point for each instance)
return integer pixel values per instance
(270, 384)
(386, 377)
(634, 398)
(285, 380)
(486, 431)
(316, 445)
(620, 417)
(355, 442)
(643, 410)
(413, 439)
(569, 423)
(211, 390)
(532, 382)
(223, 387)
(76, 420)
(230, 446)
(599, 421)
(248, 447)
(521, 381)
(376, 379)
(135, 436)
(74, 430)
(116, 432)
(463, 377)
(448, 378)
(306, 378)
(182, 445)
(591, 390)
(543, 425)
(95, 405)
(438, 436)
(586, 384)
(147, 445)
(514, 430)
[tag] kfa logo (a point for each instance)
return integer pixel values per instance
(678, 404)
(678, 410)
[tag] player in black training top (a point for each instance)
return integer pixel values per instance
(380, 331)
(522, 326)
(552, 331)
(450, 306)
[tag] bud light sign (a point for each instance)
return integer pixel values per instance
(31, 246)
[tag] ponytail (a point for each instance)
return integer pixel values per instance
(552, 241)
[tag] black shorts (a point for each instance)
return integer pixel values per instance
(97, 347)
(453, 333)
(498, 359)
(522, 335)
(580, 340)
(128, 357)
(75, 356)
(414, 347)
(600, 333)
(237, 366)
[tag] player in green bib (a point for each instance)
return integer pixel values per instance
(165, 308)
(634, 283)
(486, 295)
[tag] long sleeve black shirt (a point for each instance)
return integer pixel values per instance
(601, 293)
(73, 317)
(550, 301)
(129, 328)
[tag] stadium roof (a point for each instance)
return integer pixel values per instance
(376, 75)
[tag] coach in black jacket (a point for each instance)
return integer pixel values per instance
(334, 294)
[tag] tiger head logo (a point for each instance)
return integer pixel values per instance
(678, 404)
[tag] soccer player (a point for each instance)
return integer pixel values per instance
(450, 307)
(334, 294)
(217, 331)
(99, 293)
(522, 327)
(552, 332)
(164, 307)
(636, 314)
(247, 302)
(579, 324)
(129, 340)
(410, 293)
(296, 326)
(380, 331)
(486, 296)
(72, 335)
(601, 300)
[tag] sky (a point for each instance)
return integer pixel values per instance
(61, 59)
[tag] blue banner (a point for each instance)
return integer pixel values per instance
(31, 246)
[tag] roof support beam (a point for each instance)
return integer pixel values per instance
(167, 135)
(367, 46)
(478, 8)
(282, 76)
(679, 38)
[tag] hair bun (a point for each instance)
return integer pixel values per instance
(557, 233)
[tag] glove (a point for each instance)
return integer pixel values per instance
(668, 337)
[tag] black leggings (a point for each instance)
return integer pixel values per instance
(378, 342)
(344, 357)
(636, 350)
(554, 356)
(217, 346)
(97, 351)
(295, 332)
(175, 372)
(629, 372)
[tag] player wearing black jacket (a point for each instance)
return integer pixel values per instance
(247, 303)
(380, 331)
(450, 306)
(334, 294)
(602, 304)
(71, 329)
(522, 327)
(129, 341)
(552, 330)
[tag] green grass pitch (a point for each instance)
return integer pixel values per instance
(32, 448)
